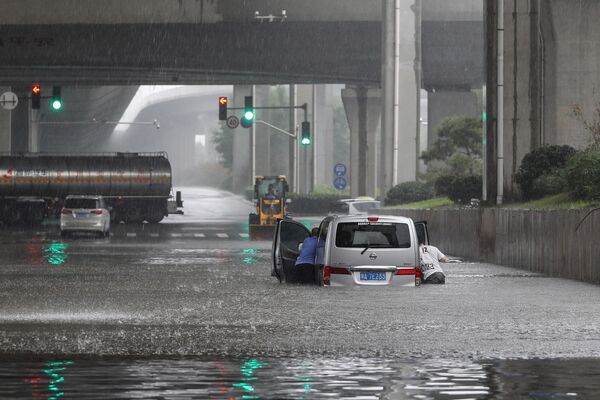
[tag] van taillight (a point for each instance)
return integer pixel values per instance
(327, 271)
(65, 211)
(411, 271)
(327, 275)
(407, 271)
(96, 211)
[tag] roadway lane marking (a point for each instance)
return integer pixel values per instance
(244, 235)
(155, 235)
(192, 228)
(222, 235)
(199, 235)
(131, 234)
(176, 235)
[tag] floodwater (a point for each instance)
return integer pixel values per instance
(188, 309)
(314, 378)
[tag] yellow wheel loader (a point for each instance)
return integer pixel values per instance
(270, 200)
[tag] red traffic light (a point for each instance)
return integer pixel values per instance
(36, 91)
(222, 108)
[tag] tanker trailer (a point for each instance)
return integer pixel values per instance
(136, 186)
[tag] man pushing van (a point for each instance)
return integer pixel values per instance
(431, 271)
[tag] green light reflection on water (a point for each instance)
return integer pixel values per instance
(55, 253)
(248, 252)
(247, 369)
(52, 368)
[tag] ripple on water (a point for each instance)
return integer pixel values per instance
(256, 378)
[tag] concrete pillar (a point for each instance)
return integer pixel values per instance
(306, 156)
(262, 135)
(363, 107)
(323, 135)
(401, 85)
(20, 123)
(293, 144)
(5, 122)
(408, 86)
(241, 168)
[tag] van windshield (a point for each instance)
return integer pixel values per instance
(372, 234)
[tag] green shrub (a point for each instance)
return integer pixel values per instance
(461, 188)
(545, 160)
(583, 174)
(408, 192)
(549, 184)
(312, 204)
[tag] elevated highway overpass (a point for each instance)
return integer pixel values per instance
(83, 43)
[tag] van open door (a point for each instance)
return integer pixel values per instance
(422, 232)
(289, 234)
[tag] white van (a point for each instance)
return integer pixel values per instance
(355, 250)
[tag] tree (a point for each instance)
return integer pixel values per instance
(223, 140)
(458, 143)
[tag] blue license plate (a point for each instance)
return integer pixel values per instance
(372, 276)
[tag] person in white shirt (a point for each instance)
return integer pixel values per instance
(431, 272)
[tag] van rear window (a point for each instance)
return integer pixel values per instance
(372, 234)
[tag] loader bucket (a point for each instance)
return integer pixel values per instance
(261, 232)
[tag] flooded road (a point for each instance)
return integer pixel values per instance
(316, 378)
(161, 311)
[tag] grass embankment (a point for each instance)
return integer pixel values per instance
(557, 201)
(561, 201)
(437, 202)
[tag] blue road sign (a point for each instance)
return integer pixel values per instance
(339, 183)
(340, 169)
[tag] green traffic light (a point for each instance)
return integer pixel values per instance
(305, 141)
(248, 115)
(56, 104)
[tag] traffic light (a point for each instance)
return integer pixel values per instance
(36, 95)
(56, 98)
(222, 108)
(248, 115)
(305, 139)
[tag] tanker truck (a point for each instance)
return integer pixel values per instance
(136, 186)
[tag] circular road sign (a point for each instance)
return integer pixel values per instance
(339, 183)
(233, 122)
(9, 100)
(340, 169)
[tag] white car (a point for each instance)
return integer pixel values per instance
(84, 214)
(357, 206)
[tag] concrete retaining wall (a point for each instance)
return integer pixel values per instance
(535, 240)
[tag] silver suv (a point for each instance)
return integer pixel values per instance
(355, 250)
(84, 214)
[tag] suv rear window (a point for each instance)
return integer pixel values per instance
(372, 234)
(81, 203)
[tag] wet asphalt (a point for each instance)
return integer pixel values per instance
(196, 286)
